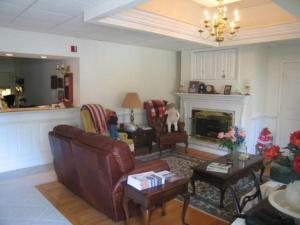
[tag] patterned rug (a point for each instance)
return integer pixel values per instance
(207, 197)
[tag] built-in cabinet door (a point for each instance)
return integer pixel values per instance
(214, 65)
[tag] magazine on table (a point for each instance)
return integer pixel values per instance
(218, 167)
(151, 179)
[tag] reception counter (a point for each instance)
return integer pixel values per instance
(24, 135)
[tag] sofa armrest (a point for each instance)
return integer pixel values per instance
(157, 165)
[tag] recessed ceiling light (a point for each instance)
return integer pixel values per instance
(9, 54)
(43, 57)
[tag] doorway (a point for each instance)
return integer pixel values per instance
(289, 113)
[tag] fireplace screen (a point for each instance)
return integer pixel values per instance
(207, 124)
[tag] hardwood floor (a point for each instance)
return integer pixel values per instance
(78, 212)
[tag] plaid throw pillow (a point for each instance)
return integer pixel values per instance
(156, 108)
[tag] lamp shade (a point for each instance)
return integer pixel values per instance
(132, 100)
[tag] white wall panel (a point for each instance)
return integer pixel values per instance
(24, 136)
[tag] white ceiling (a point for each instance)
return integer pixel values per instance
(65, 17)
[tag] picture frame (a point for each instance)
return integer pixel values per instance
(227, 90)
(193, 86)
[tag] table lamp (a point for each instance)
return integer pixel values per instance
(132, 101)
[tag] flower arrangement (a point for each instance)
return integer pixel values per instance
(233, 139)
(290, 157)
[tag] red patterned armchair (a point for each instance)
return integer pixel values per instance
(155, 110)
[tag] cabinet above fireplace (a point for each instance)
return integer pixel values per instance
(214, 65)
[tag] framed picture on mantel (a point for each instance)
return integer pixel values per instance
(193, 87)
(227, 90)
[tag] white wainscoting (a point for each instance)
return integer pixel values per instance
(24, 136)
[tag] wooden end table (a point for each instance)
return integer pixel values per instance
(223, 181)
(148, 199)
(142, 137)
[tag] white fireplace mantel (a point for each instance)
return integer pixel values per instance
(235, 104)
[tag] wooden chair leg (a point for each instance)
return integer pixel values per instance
(186, 147)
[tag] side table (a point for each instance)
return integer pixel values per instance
(148, 199)
(142, 137)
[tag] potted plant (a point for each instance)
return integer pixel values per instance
(233, 139)
(285, 163)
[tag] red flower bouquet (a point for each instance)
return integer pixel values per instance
(285, 167)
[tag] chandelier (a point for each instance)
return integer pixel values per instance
(220, 26)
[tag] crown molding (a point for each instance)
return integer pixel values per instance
(266, 34)
(141, 20)
(150, 22)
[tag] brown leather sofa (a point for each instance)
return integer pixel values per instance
(95, 167)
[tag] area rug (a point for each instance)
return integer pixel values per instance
(207, 197)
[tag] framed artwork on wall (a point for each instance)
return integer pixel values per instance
(227, 89)
(193, 86)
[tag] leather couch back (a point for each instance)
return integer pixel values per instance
(91, 165)
(63, 160)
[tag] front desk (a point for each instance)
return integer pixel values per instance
(24, 135)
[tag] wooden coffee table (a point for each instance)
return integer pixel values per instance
(223, 181)
(148, 199)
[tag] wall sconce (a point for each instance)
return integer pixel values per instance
(63, 69)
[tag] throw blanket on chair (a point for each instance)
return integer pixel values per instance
(156, 108)
(98, 115)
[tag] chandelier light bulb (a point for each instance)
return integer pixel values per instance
(224, 11)
(215, 16)
(219, 26)
(206, 15)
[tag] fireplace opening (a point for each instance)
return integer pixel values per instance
(207, 124)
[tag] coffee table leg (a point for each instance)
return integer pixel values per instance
(222, 191)
(193, 185)
(163, 209)
(125, 207)
(146, 216)
(186, 201)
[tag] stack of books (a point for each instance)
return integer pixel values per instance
(218, 167)
(149, 179)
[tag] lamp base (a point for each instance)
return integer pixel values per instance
(131, 116)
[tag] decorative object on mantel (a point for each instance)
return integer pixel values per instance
(227, 90)
(285, 163)
(247, 86)
(233, 140)
(220, 26)
(193, 87)
(202, 88)
(210, 89)
(181, 88)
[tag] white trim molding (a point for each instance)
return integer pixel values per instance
(141, 20)
(150, 22)
(266, 34)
